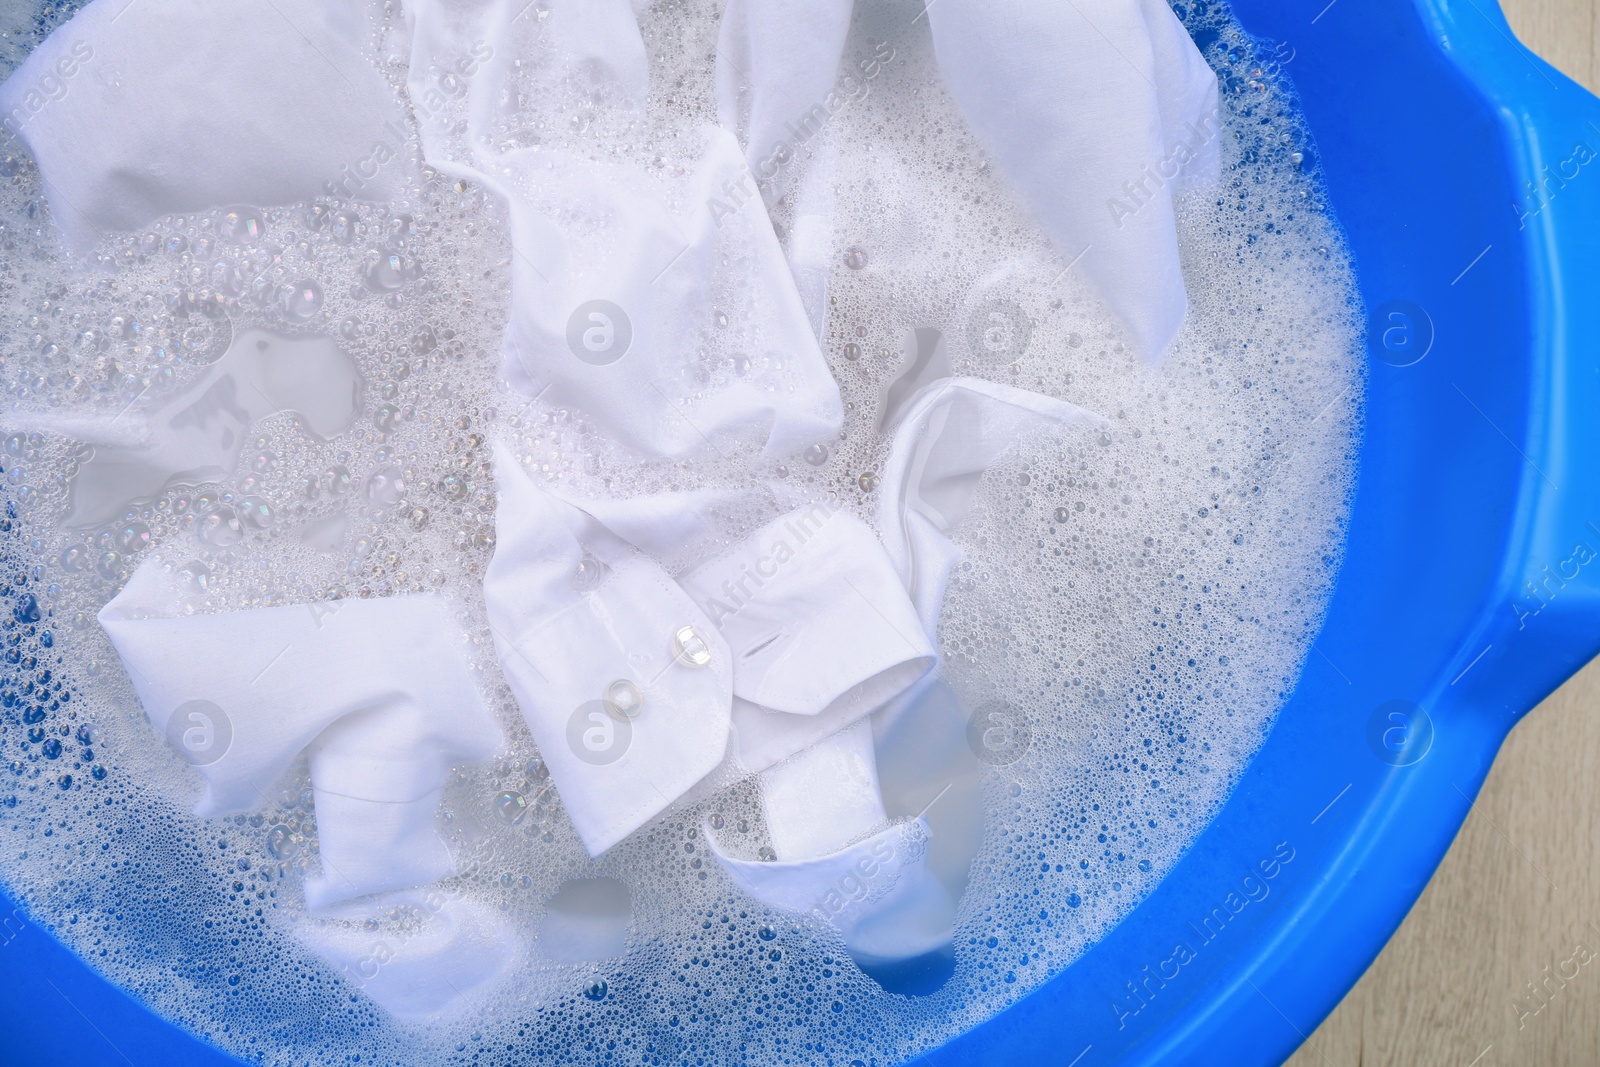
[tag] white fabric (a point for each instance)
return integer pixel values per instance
(621, 263)
(435, 950)
(138, 110)
(950, 433)
(1082, 104)
(777, 64)
(375, 692)
(926, 361)
(837, 858)
(822, 801)
(820, 630)
(805, 624)
(825, 797)
(877, 893)
(1099, 111)
(575, 608)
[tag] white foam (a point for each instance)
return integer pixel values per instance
(1132, 607)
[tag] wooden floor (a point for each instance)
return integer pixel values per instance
(1519, 892)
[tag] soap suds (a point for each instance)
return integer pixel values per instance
(1133, 608)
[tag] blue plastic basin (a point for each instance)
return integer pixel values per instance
(1466, 173)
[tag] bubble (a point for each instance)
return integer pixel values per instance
(344, 226)
(868, 481)
(256, 513)
(220, 528)
(242, 225)
(855, 258)
(75, 558)
(596, 990)
(334, 481)
(766, 933)
(1062, 514)
(816, 455)
(385, 487)
(510, 806)
(281, 843)
(418, 518)
(196, 576)
(389, 273)
(302, 301)
(132, 537)
(852, 351)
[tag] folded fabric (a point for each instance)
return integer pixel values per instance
(629, 676)
(1100, 112)
(375, 693)
(838, 860)
(820, 629)
(624, 682)
(821, 805)
(646, 294)
(949, 434)
(777, 64)
(427, 952)
(823, 798)
(138, 110)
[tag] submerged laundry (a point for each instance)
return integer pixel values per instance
(839, 860)
(775, 630)
(669, 326)
(134, 111)
(375, 694)
(434, 951)
(1101, 113)
(625, 259)
(799, 631)
(822, 804)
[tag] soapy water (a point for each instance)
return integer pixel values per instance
(1132, 610)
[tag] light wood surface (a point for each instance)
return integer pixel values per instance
(1520, 888)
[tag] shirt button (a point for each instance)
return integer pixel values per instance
(624, 701)
(689, 648)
